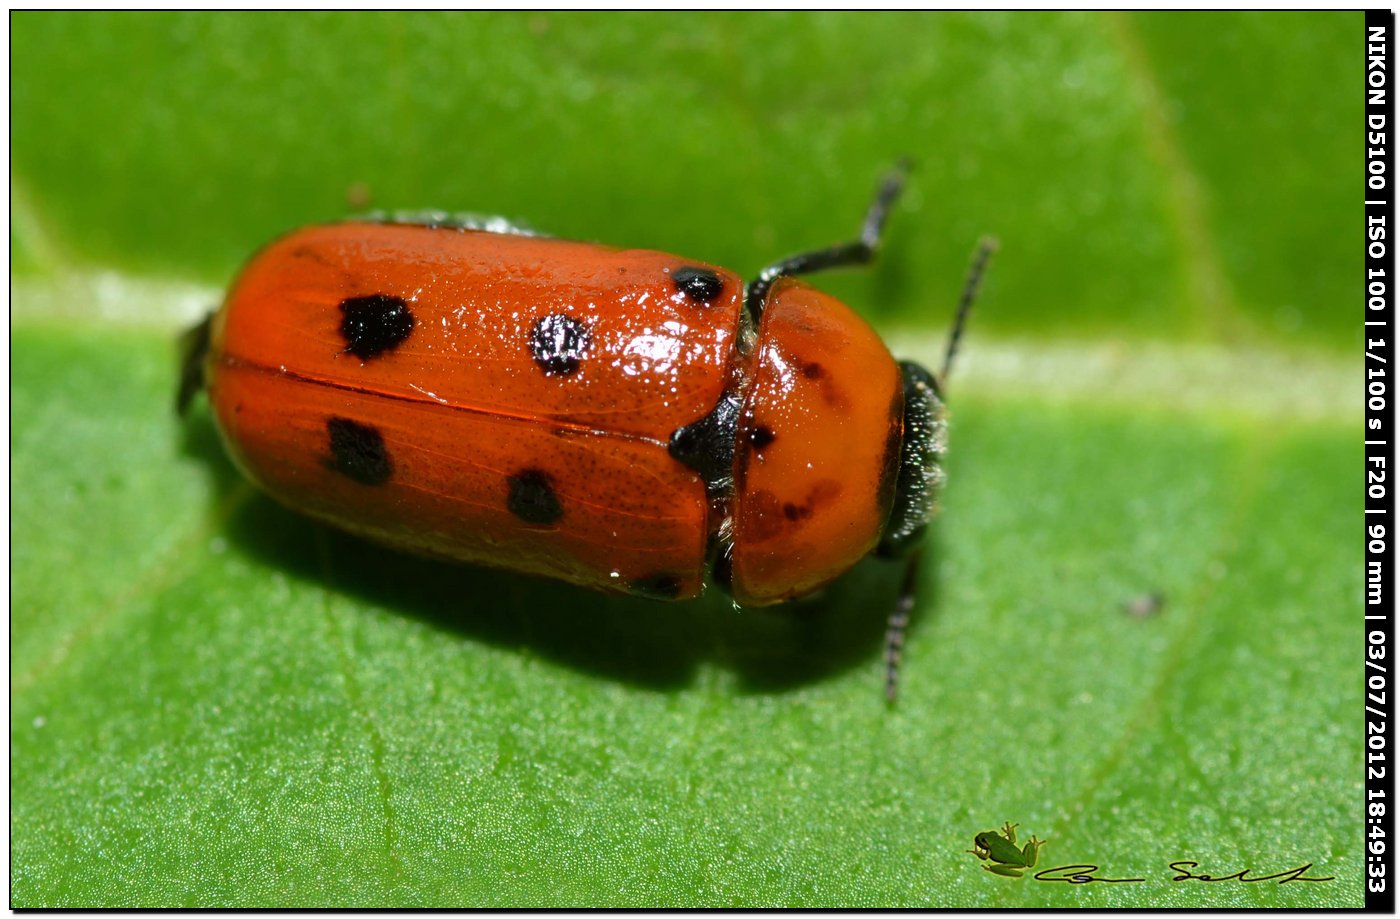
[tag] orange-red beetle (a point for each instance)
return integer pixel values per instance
(621, 419)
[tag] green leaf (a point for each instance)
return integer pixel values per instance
(218, 703)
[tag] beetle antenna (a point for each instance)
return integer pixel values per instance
(971, 286)
(899, 624)
(858, 251)
(890, 186)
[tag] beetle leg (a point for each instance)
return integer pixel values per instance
(899, 624)
(857, 252)
(194, 347)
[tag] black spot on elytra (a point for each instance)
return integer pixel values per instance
(532, 497)
(699, 284)
(559, 343)
(761, 437)
(707, 444)
(657, 587)
(374, 324)
(357, 452)
(813, 371)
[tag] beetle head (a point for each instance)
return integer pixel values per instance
(920, 462)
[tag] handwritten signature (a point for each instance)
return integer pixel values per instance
(1087, 874)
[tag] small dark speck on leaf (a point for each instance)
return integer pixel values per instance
(1145, 606)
